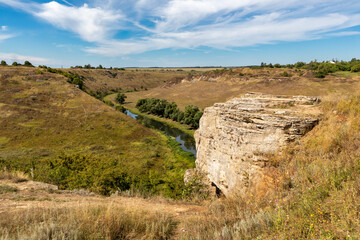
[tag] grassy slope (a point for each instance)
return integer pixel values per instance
(230, 85)
(43, 117)
(116, 80)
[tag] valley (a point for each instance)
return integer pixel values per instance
(67, 153)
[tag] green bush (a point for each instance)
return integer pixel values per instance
(120, 108)
(28, 64)
(163, 108)
(356, 68)
(286, 74)
(3, 63)
(120, 98)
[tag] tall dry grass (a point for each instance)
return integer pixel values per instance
(85, 222)
(14, 176)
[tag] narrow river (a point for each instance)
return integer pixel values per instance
(186, 141)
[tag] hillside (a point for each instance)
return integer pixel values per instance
(61, 135)
(222, 85)
(110, 80)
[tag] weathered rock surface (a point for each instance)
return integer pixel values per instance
(235, 138)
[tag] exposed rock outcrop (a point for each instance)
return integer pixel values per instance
(235, 138)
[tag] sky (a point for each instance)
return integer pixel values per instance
(178, 33)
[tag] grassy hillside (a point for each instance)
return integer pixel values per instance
(219, 86)
(107, 81)
(59, 134)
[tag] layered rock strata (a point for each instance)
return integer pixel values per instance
(235, 138)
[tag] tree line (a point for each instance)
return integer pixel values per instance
(26, 64)
(321, 68)
(88, 66)
(161, 107)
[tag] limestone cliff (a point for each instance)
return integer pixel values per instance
(235, 138)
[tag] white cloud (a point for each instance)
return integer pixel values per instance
(92, 24)
(263, 29)
(11, 57)
(344, 33)
(4, 36)
(160, 24)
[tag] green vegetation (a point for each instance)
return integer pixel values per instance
(286, 74)
(185, 128)
(356, 68)
(105, 176)
(321, 68)
(3, 63)
(28, 64)
(120, 98)
(163, 108)
(73, 78)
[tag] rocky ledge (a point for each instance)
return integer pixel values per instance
(236, 138)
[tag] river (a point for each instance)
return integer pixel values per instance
(187, 142)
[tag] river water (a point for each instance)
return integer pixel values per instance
(187, 142)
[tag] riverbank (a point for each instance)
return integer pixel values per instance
(183, 127)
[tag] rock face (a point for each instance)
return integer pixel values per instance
(235, 138)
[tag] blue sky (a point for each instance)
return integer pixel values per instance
(145, 33)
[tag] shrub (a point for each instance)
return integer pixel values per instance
(28, 64)
(3, 63)
(286, 74)
(120, 98)
(356, 68)
(320, 74)
(120, 108)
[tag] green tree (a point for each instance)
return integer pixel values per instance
(3, 63)
(356, 68)
(120, 98)
(28, 64)
(15, 64)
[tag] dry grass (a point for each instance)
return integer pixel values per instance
(128, 80)
(221, 87)
(85, 222)
(14, 176)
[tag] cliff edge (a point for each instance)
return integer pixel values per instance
(235, 138)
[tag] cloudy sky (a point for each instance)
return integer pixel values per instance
(178, 32)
